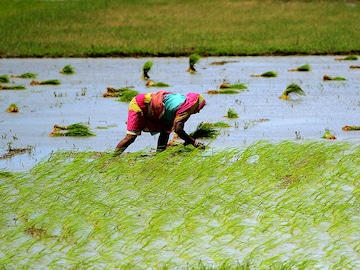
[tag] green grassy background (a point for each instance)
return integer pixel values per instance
(177, 28)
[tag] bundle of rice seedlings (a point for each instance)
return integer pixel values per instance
(347, 58)
(128, 95)
(158, 84)
(353, 67)
(13, 108)
(232, 114)
(46, 82)
(74, 130)
(226, 85)
(328, 78)
(146, 68)
(27, 75)
(267, 74)
(302, 68)
(4, 79)
(327, 135)
(350, 128)
(68, 69)
(204, 130)
(224, 91)
(12, 87)
(292, 89)
(193, 59)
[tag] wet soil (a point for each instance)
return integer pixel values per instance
(79, 98)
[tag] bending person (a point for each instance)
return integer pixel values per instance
(161, 112)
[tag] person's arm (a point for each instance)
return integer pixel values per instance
(124, 143)
(179, 130)
(162, 141)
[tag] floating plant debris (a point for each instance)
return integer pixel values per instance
(305, 67)
(292, 89)
(74, 130)
(156, 84)
(328, 135)
(27, 75)
(11, 152)
(12, 87)
(347, 58)
(268, 74)
(220, 63)
(4, 79)
(350, 128)
(68, 69)
(46, 82)
(146, 68)
(328, 78)
(193, 59)
(13, 108)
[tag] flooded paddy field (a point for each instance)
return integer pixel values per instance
(327, 105)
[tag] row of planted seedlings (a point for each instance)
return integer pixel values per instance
(288, 205)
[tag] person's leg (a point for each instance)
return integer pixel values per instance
(162, 141)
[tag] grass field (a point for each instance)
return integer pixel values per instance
(177, 28)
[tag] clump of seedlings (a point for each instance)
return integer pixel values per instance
(347, 58)
(208, 130)
(232, 114)
(193, 59)
(220, 63)
(329, 78)
(68, 69)
(328, 135)
(74, 130)
(302, 68)
(13, 108)
(268, 74)
(4, 79)
(354, 67)
(227, 88)
(27, 75)
(156, 84)
(12, 87)
(350, 128)
(125, 93)
(146, 68)
(292, 89)
(46, 82)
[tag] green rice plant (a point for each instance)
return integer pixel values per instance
(46, 82)
(193, 59)
(268, 74)
(146, 68)
(305, 67)
(27, 75)
(292, 88)
(68, 69)
(127, 95)
(329, 78)
(232, 114)
(347, 58)
(13, 108)
(12, 87)
(156, 84)
(73, 130)
(4, 79)
(204, 130)
(328, 135)
(227, 85)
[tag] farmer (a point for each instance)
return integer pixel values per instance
(160, 112)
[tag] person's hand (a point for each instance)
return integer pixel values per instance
(198, 144)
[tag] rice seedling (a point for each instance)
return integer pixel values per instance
(156, 84)
(347, 58)
(13, 108)
(204, 130)
(125, 93)
(12, 87)
(292, 89)
(146, 68)
(328, 135)
(226, 85)
(232, 114)
(46, 82)
(350, 128)
(68, 69)
(223, 91)
(27, 75)
(354, 67)
(4, 79)
(193, 59)
(305, 67)
(328, 78)
(268, 74)
(74, 130)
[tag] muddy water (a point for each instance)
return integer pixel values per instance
(262, 115)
